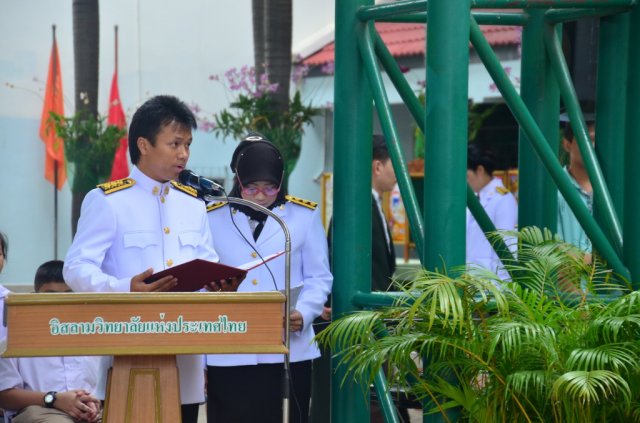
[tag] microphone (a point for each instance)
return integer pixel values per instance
(203, 185)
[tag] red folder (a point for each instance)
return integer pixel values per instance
(195, 274)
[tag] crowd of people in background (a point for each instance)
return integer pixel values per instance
(147, 222)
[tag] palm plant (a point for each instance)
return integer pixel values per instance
(525, 350)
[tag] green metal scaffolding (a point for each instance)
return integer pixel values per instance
(439, 232)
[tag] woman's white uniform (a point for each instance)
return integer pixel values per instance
(309, 268)
(502, 208)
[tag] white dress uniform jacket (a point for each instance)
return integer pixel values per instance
(44, 374)
(121, 234)
(309, 268)
(502, 208)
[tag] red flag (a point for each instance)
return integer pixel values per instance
(117, 118)
(53, 102)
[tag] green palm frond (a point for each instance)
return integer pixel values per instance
(512, 337)
(590, 387)
(615, 357)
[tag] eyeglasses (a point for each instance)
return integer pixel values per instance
(269, 190)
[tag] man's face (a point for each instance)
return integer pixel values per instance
(384, 177)
(571, 146)
(168, 157)
(475, 179)
(54, 287)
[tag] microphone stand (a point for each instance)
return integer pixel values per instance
(287, 289)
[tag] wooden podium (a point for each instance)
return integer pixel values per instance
(144, 332)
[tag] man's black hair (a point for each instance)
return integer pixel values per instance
(50, 271)
(4, 245)
(154, 114)
(380, 150)
(477, 156)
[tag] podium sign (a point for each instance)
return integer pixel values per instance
(143, 323)
(144, 332)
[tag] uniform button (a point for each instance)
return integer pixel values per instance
(169, 262)
(162, 199)
(155, 190)
(167, 230)
(281, 206)
(234, 211)
(166, 190)
(254, 255)
(255, 281)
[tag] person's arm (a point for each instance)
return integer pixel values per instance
(317, 277)
(95, 235)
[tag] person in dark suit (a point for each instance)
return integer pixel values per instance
(383, 179)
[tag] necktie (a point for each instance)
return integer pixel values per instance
(258, 230)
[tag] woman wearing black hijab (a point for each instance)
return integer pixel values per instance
(247, 387)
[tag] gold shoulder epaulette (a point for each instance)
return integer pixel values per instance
(305, 203)
(119, 185)
(215, 206)
(502, 190)
(184, 188)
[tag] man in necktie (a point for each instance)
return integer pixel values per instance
(383, 179)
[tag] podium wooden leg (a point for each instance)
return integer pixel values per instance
(143, 389)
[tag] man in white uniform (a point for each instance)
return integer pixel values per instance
(131, 228)
(500, 205)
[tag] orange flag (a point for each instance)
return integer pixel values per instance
(54, 169)
(117, 118)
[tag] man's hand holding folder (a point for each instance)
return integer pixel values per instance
(198, 274)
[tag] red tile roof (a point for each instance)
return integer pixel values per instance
(409, 39)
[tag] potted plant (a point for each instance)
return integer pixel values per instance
(252, 110)
(523, 350)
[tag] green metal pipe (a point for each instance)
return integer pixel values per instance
(500, 18)
(570, 99)
(538, 196)
(632, 153)
(408, 95)
(487, 226)
(384, 398)
(545, 153)
(559, 16)
(387, 10)
(483, 18)
(371, 300)
(351, 248)
(547, 4)
(391, 134)
(613, 58)
(446, 133)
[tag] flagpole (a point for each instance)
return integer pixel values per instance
(115, 29)
(55, 178)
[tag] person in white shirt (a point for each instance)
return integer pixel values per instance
(247, 388)
(131, 228)
(49, 389)
(500, 205)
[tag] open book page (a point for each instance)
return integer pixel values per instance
(255, 263)
(295, 293)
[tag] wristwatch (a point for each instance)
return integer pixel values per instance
(49, 399)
